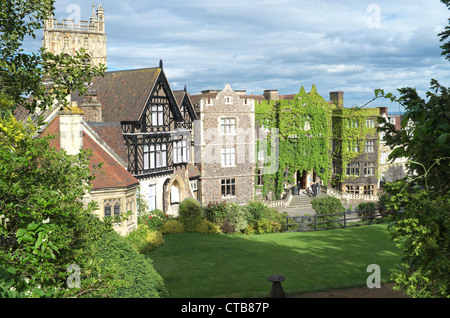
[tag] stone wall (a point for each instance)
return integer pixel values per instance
(227, 104)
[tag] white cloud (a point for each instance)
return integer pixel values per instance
(278, 44)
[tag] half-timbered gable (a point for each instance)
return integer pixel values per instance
(155, 133)
(186, 108)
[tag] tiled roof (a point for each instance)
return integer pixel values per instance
(123, 94)
(111, 174)
(111, 133)
(193, 171)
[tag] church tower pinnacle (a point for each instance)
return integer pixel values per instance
(68, 37)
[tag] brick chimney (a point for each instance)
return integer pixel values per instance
(337, 98)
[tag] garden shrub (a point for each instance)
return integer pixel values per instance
(190, 214)
(327, 205)
(259, 210)
(264, 226)
(172, 227)
(215, 211)
(365, 210)
(235, 219)
(154, 220)
(134, 274)
(206, 226)
(145, 240)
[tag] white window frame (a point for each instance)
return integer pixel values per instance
(228, 156)
(157, 115)
(369, 168)
(228, 125)
(369, 146)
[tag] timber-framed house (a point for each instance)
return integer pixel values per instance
(154, 138)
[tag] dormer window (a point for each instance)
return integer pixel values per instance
(228, 100)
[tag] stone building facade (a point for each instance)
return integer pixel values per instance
(224, 145)
(68, 37)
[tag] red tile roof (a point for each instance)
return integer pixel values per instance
(111, 174)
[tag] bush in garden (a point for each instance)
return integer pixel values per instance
(172, 227)
(145, 240)
(133, 274)
(259, 210)
(264, 226)
(215, 211)
(190, 214)
(366, 210)
(209, 227)
(154, 219)
(327, 205)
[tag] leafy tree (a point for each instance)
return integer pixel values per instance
(44, 226)
(421, 229)
(39, 79)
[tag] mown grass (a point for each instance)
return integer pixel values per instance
(217, 265)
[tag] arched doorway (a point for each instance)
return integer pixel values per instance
(174, 193)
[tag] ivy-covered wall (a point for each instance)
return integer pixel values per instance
(315, 135)
(305, 132)
(352, 128)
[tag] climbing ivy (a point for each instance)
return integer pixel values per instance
(350, 131)
(312, 134)
(305, 133)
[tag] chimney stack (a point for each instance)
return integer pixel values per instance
(271, 94)
(71, 129)
(337, 98)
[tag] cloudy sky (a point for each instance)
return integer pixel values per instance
(354, 46)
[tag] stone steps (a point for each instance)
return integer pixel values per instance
(303, 200)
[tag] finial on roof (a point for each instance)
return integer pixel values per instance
(160, 64)
(93, 10)
(100, 7)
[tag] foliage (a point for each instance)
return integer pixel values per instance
(215, 211)
(350, 132)
(366, 209)
(445, 35)
(304, 125)
(264, 226)
(47, 77)
(172, 227)
(133, 273)
(190, 214)
(208, 227)
(421, 230)
(44, 224)
(145, 240)
(327, 207)
(154, 219)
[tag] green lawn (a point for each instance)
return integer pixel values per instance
(217, 265)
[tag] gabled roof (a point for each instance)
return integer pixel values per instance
(125, 94)
(111, 175)
(181, 96)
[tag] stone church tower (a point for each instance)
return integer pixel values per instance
(68, 37)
